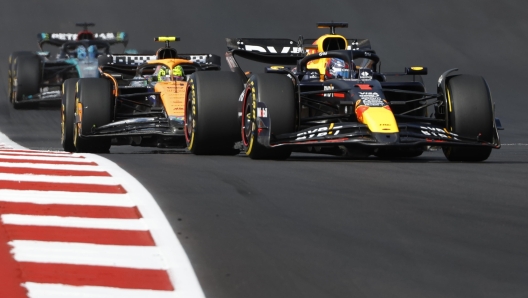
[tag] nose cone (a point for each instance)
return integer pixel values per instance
(378, 119)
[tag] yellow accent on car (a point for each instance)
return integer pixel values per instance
(170, 63)
(380, 119)
(166, 38)
(449, 100)
(417, 68)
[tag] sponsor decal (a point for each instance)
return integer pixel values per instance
(323, 54)
(73, 36)
(330, 87)
(312, 75)
(438, 132)
(271, 49)
(371, 99)
(231, 62)
(365, 74)
(319, 132)
(262, 112)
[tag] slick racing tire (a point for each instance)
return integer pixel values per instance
(94, 102)
(470, 114)
(24, 78)
(211, 120)
(68, 114)
(11, 71)
(277, 93)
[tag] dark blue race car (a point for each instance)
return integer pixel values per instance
(36, 77)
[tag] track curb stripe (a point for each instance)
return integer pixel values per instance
(51, 172)
(80, 275)
(72, 187)
(80, 235)
(77, 225)
(70, 210)
(50, 162)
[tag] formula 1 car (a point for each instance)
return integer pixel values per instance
(36, 77)
(335, 101)
(136, 100)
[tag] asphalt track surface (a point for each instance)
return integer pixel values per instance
(319, 226)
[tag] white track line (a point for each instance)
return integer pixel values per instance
(38, 290)
(45, 158)
(75, 222)
(99, 180)
(53, 166)
(126, 256)
(66, 198)
(43, 154)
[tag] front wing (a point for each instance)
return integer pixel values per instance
(348, 133)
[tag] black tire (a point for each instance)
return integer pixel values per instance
(211, 121)
(24, 78)
(10, 70)
(68, 114)
(277, 92)
(95, 97)
(470, 114)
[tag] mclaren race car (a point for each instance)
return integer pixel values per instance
(135, 100)
(36, 77)
(335, 101)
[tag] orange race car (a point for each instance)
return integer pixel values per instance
(137, 100)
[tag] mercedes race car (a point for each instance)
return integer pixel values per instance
(335, 101)
(36, 77)
(135, 100)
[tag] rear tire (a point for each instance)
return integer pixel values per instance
(211, 122)
(470, 114)
(94, 99)
(24, 78)
(277, 93)
(68, 114)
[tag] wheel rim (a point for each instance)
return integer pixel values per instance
(63, 123)
(190, 121)
(247, 120)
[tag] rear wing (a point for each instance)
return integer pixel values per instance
(58, 39)
(138, 59)
(279, 51)
(281, 46)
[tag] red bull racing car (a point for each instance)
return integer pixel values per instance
(335, 100)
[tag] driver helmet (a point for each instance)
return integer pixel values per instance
(92, 52)
(164, 74)
(81, 52)
(337, 69)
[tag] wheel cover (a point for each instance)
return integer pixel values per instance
(190, 116)
(63, 123)
(249, 115)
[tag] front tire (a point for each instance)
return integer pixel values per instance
(68, 114)
(277, 93)
(211, 122)
(470, 114)
(93, 108)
